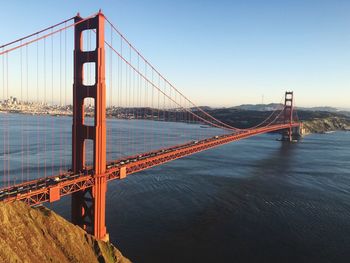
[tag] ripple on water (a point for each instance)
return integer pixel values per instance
(253, 201)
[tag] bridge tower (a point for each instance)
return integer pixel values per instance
(88, 206)
(288, 115)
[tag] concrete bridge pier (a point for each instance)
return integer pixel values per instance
(292, 134)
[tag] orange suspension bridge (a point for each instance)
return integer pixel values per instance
(113, 86)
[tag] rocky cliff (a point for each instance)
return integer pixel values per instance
(40, 235)
(321, 125)
(314, 121)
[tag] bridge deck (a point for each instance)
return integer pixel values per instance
(50, 189)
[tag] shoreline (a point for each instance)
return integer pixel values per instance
(313, 126)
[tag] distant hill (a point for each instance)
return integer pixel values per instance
(316, 119)
(206, 108)
(258, 107)
(324, 108)
(274, 106)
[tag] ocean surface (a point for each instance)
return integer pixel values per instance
(255, 200)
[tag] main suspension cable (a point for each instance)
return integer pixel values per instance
(43, 36)
(172, 86)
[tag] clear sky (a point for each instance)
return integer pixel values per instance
(223, 53)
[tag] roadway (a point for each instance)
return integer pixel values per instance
(52, 188)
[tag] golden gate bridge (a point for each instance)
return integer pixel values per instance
(111, 80)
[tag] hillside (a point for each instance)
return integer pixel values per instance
(314, 121)
(40, 235)
(326, 125)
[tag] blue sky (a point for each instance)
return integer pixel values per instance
(223, 53)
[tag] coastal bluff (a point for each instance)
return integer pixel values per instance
(40, 235)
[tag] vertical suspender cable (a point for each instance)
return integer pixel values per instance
(44, 133)
(152, 118)
(121, 93)
(7, 126)
(65, 92)
(109, 142)
(3, 126)
(37, 101)
(131, 109)
(22, 124)
(60, 104)
(27, 119)
(52, 104)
